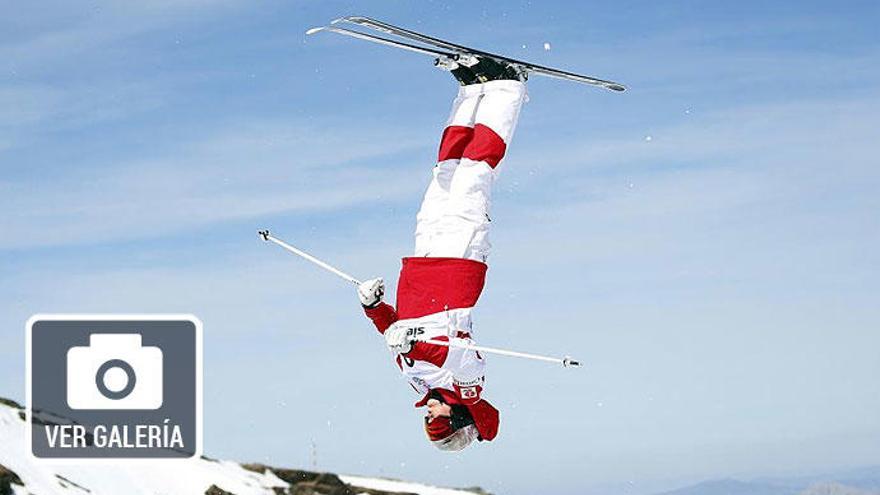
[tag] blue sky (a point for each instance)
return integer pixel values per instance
(706, 242)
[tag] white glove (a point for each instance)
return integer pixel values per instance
(371, 291)
(400, 338)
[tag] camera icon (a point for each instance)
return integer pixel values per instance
(114, 372)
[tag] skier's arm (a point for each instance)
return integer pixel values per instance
(383, 316)
(370, 293)
(424, 351)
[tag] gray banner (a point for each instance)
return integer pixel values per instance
(79, 407)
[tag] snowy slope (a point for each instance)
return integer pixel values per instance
(190, 478)
(396, 486)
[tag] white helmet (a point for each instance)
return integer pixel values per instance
(458, 440)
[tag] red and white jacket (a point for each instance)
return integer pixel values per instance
(436, 296)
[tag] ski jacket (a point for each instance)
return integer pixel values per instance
(435, 297)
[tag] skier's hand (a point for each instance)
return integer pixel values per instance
(399, 338)
(370, 292)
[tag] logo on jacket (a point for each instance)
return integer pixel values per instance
(468, 392)
(414, 332)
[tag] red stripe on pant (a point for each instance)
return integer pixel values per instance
(480, 144)
(486, 146)
(455, 140)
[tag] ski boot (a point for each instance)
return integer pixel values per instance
(471, 69)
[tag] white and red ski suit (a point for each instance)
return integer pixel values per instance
(440, 284)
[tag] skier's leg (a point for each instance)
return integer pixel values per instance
(456, 136)
(466, 217)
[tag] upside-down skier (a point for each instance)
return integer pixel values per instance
(440, 284)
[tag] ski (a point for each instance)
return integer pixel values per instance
(384, 41)
(453, 51)
(465, 50)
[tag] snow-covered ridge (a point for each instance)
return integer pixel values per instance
(19, 475)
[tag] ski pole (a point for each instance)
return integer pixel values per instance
(270, 238)
(566, 361)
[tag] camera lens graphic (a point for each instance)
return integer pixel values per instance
(101, 378)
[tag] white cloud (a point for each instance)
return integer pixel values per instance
(239, 173)
(62, 65)
(61, 31)
(761, 132)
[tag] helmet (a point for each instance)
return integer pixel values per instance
(468, 422)
(458, 439)
(451, 433)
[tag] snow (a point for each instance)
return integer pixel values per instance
(400, 486)
(188, 477)
(174, 478)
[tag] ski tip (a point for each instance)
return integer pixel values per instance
(315, 30)
(352, 18)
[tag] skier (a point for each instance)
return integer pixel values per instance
(439, 286)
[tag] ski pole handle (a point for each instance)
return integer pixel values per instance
(266, 236)
(566, 361)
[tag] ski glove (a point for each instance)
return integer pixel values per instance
(400, 338)
(371, 291)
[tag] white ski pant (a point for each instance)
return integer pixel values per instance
(453, 220)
